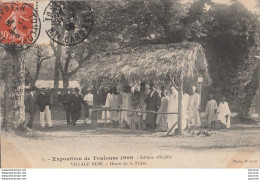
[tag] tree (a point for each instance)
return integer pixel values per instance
(74, 58)
(14, 81)
(37, 54)
(231, 35)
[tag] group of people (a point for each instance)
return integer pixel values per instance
(72, 102)
(144, 98)
(43, 101)
(132, 107)
(165, 104)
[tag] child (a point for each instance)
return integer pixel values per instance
(211, 109)
(224, 113)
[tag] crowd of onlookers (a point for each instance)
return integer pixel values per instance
(142, 98)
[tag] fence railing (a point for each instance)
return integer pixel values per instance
(107, 109)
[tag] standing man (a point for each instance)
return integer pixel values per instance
(66, 101)
(172, 107)
(30, 106)
(211, 109)
(193, 108)
(43, 100)
(153, 102)
(76, 101)
(89, 102)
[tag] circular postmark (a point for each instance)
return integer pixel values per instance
(20, 25)
(68, 22)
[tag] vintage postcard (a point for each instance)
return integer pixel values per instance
(130, 84)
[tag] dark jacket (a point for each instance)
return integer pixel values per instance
(29, 102)
(154, 102)
(76, 101)
(66, 100)
(42, 100)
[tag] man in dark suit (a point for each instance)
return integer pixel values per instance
(76, 101)
(29, 102)
(153, 103)
(66, 101)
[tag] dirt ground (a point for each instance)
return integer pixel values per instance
(221, 149)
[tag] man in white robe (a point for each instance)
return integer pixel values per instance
(126, 103)
(224, 112)
(211, 109)
(108, 104)
(172, 107)
(185, 104)
(193, 108)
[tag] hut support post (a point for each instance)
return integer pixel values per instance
(180, 94)
(105, 118)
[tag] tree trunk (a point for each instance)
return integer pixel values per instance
(94, 113)
(56, 75)
(38, 67)
(14, 114)
(180, 94)
(94, 117)
(250, 92)
(65, 84)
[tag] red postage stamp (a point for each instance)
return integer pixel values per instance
(17, 23)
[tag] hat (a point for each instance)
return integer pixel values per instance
(152, 84)
(76, 89)
(33, 88)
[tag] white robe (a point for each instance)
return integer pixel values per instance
(193, 107)
(172, 107)
(107, 104)
(210, 111)
(223, 111)
(126, 103)
(185, 103)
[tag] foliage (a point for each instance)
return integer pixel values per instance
(231, 37)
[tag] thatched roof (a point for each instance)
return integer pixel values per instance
(151, 62)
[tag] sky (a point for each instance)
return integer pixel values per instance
(249, 4)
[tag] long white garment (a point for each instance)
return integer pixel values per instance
(185, 103)
(172, 107)
(161, 119)
(107, 104)
(223, 111)
(126, 102)
(194, 104)
(114, 115)
(47, 113)
(210, 111)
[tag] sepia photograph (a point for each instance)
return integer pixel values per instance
(130, 84)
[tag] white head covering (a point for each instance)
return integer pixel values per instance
(174, 90)
(135, 87)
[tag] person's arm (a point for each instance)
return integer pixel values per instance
(172, 81)
(215, 107)
(158, 101)
(83, 102)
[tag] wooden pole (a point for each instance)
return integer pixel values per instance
(180, 94)
(105, 118)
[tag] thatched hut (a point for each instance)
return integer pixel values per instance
(183, 61)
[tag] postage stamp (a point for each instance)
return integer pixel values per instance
(20, 25)
(68, 22)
